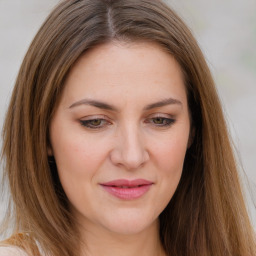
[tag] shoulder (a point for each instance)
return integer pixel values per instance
(11, 251)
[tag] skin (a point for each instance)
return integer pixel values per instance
(136, 139)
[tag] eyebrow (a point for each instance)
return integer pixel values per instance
(103, 105)
(162, 103)
(95, 103)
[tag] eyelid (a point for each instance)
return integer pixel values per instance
(167, 120)
(85, 121)
(162, 115)
(92, 117)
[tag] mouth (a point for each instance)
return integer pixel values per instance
(127, 189)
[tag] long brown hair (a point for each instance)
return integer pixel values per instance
(207, 214)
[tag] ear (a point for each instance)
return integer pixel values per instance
(191, 137)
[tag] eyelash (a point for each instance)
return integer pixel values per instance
(164, 122)
(89, 123)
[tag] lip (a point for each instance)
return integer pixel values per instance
(127, 189)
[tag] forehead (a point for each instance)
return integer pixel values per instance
(118, 68)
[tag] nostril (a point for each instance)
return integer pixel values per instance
(129, 150)
(129, 159)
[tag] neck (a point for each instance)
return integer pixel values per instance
(97, 241)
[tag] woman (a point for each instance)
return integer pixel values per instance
(115, 141)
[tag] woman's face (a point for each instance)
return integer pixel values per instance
(119, 136)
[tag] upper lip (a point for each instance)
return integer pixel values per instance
(127, 183)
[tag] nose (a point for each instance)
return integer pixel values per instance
(129, 150)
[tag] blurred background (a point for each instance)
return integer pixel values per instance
(226, 32)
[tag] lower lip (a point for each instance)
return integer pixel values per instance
(127, 193)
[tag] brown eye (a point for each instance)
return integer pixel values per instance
(158, 120)
(94, 123)
(161, 121)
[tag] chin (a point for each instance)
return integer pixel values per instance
(131, 224)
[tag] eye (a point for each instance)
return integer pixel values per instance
(96, 123)
(161, 121)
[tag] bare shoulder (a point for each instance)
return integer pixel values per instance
(11, 251)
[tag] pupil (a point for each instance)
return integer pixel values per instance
(158, 120)
(96, 122)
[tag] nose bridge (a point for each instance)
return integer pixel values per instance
(130, 150)
(132, 142)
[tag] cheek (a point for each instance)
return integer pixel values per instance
(78, 157)
(170, 155)
(78, 162)
(169, 158)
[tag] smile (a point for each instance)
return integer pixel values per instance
(127, 190)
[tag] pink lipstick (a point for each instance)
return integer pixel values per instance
(127, 189)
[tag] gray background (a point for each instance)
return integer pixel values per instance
(225, 29)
